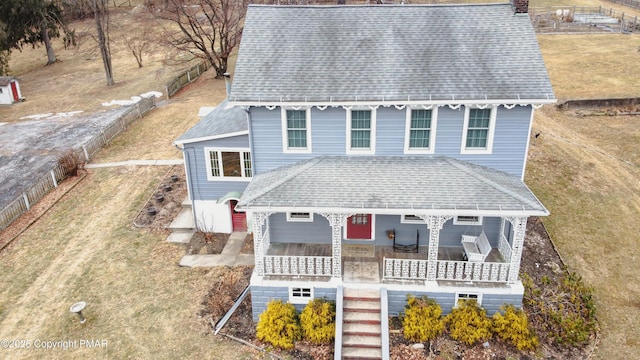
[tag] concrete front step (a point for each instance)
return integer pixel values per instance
(186, 203)
(362, 293)
(361, 329)
(181, 237)
(361, 317)
(361, 341)
(183, 222)
(353, 353)
(362, 306)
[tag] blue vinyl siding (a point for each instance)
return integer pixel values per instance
(283, 231)
(490, 302)
(261, 295)
(201, 188)
(319, 231)
(328, 136)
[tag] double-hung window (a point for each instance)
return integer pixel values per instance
(296, 130)
(479, 125)
(420, 131)
(361, 131)
(228, 164)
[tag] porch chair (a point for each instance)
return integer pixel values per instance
(476, 248)
(411, 248)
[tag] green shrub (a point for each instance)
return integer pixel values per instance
(468, 322)
(278, 325)
(565, 308)
(514, 327)
(318, 321)
(422, 319)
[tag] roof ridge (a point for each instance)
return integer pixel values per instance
(302, 166)
(462, 166)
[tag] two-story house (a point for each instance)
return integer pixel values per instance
(376, 146)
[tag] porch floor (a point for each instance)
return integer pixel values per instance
(364, 253)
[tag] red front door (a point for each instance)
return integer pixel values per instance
(359, 226)
(238, 219)
(14, 90)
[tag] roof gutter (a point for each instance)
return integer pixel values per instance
(385, 211)
(454, 104)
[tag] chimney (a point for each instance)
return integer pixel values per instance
(520, 6)
(227, 83)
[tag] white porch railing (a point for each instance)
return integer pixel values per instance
(406, 269)
(298, 265)
(472, 271)
(412, 269)
(504, 248)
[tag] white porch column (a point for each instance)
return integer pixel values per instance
(259, 241)
(336, 221)
(434, 223)
(519, 225)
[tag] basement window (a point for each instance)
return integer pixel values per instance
(467, 297)
(300, 295)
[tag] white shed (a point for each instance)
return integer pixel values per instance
(9, 90)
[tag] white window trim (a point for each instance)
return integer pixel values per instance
(404, 220)
(492, 128)
(458, 294)
(359, 151)
(373, 228)
(207, 158)
(432, 134)
(285, 136)
(456, 221)
(293, 219)
(299, 299)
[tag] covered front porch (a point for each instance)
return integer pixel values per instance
(467, 222)
(374, 263)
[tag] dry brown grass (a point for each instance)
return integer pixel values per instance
(586, 171)
(592, 66)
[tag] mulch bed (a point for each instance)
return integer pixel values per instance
(207, 243)
(166, 201)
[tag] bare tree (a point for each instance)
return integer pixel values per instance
(208, 29)
(142, 38)
(101, 13)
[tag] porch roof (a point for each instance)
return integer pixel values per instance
(222, 121)
(390, 185)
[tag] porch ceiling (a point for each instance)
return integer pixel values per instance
(379, 184)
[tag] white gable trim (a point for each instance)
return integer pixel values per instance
(400, 104)
(213, 137)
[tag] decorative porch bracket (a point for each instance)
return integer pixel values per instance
(519, 225)
(336, 221)
(260, 240)
(434, 223)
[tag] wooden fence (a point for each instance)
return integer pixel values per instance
(185, 78)
(562, 19)
(630, 3)
(49, 181)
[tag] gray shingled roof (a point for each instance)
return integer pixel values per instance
(220, 121)
(390, 52)
(390, 183)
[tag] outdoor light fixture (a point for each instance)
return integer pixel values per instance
(77, 309)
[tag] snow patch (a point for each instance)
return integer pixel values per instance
(51, 115)
(134, 99)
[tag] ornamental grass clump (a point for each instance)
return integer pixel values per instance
(278, 325)
(468, 323)
(422, 319)
(318, 321)
(514, 327)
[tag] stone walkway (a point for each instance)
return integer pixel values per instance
(137, 163)
(230, 255)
